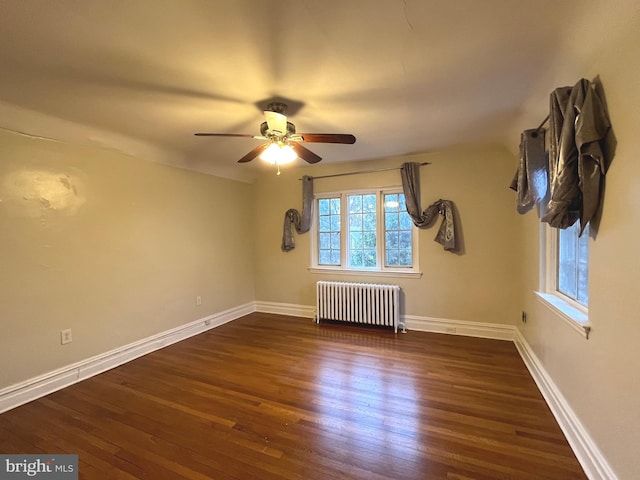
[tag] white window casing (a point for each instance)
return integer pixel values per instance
(572, 312)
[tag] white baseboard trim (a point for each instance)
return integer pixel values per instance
(587, 452)
(29, 390)
(422, 324)
(305, 311)
(494, 331)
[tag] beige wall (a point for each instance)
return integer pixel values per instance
(480, 285)
(599, 377)
(113, 247)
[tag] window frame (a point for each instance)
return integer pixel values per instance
(568, 309)
(343, 268)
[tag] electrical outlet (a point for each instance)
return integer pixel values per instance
(524, 317)
(198, 300)
(65, 336)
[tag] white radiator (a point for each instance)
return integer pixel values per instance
(359, 303)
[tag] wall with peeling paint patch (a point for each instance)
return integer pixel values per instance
(112, 247)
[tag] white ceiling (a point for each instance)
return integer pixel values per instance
(402, 76)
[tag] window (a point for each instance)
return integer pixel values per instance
(565, 274)
(368, 231)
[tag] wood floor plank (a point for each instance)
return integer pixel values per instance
(275, 397)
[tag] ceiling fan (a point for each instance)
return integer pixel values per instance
(282, 142)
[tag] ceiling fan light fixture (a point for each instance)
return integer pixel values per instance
(278, 154)
(282, 140)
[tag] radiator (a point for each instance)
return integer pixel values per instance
(358, 303)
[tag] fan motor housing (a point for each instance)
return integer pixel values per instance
(264, 129)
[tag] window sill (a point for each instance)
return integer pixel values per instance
(576, 319)
(367, 273)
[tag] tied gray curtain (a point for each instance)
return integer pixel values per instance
(410, 173)
(293, 218)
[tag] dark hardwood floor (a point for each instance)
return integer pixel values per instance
(275, 397)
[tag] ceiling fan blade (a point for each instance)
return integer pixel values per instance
(253, 153)
(327, 137)
(277, 122)
(305, 154)
(205, 134)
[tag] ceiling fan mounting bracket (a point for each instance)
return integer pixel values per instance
(277, 107)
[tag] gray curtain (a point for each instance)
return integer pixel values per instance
(578, 127)
(530, 179)
(294, 219)
(410, 173)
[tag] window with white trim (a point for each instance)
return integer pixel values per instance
(367, 231)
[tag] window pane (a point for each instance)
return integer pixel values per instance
(391, 221)
(392, 240)
(325, 241)
(335, 242)
(567, 277)
(391, 203)
(398, 231)
(329, 257)
(329, 231)
(362, 230)
(369, 221)
(369, 240)
(355, 222)
(324, 224)
(369, 258)
(335, 206)
(369, 203)
(355, 204)
(335, 223)
(393, 257)
(583, 267)
(405, 221)
(325, 255)
(355, 240)
(405, 259)
(356, 258)
(573, 263)
(404, 240)
(323, 206)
